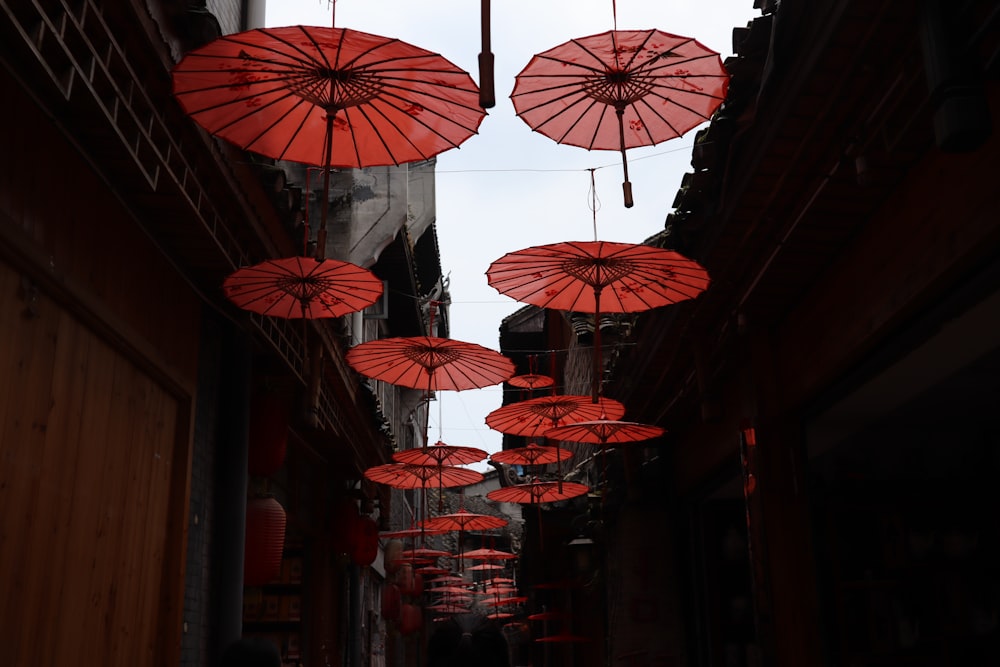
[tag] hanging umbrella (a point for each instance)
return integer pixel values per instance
(430, 570)
(531, 381)
(431, 363)
(533, 417)
(303, 287)
(531, 455)
(485, 566)
(538, 492)
(597, 277)
(425, 552)
(488, 554)
(464, 520)
(620, 89)
(404, 476)
(605, 432)
(503, 602)
(440, 454)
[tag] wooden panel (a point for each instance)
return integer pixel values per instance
(89, 493)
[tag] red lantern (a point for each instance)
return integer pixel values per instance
(392, 600)
(364, 541)
(411, 618)
(265, 541)
(268, 434)
(412, 584)
(393, 550)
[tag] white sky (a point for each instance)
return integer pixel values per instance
(508, 188)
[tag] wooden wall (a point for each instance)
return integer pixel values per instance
(98, 359)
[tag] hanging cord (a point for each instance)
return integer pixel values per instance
(594, 204)
(614, 13)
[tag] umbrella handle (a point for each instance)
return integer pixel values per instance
(627, 185)
(487, 95)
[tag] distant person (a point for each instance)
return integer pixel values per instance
(467, 640)
(251, 652)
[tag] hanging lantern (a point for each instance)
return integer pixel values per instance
(265, 541)
(411, 618)
(364, 541)
(393, 550)
(392, 601)
(268, 438)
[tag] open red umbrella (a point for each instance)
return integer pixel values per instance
(537, 492)
(488, 554)
(431, 363)
(533, 417)
(464, 520)
(302, 287)
(531, 381)
(440, 454)
(404, 476)
(531, 455)
(426, 552)
(620, 89)
(485, 566)
(597, 277)
(605, 432)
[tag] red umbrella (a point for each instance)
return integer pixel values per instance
(464, 520)
(303, 287)
(620, 89)
(404, 476)
(488, 554)
(575, 276)
(535, 493)
(431, 363)
(532, 418)
(548, 616)
(440, 454)
(531, 381)
(605, 432)
(431, 570)
(531, 455)
(485, 566)
(425, 552)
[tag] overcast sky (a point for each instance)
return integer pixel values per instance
(508, 188)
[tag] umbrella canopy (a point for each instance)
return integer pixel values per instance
(538, 492)
(431, 570)
(431, 363)
(425, 552)
(440, 454)
(404, 476)
(464, 520)
(531, 381)
(532, 418)
(531, 455)
(620, 89)
(488, 554)
(485, 566)
(605, 432)
(302, 287)
(328, 96)
(597, 276)
(548, 616)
